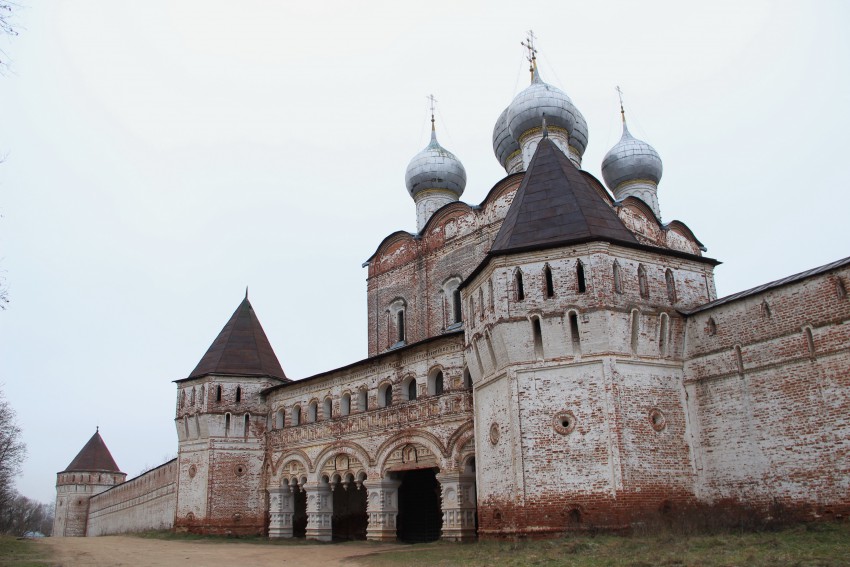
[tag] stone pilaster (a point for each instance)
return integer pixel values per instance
(281, 511)
(382, 509)
(319, 512)
(459, 506)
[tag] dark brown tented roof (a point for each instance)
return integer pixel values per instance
(555, 205)
(241, 348)
(93, 457)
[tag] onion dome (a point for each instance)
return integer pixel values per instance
(631, 160)
(504, 145)
(435, 168)
(528, 108)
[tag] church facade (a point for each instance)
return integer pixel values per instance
(552, 359)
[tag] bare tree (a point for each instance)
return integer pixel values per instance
(13, 451)
(23, 516)
(7, 25)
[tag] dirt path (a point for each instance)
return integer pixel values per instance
(112, 551)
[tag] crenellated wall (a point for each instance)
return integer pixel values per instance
(146, 502)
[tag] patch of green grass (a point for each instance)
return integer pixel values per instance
(22, 553)
(827, 545)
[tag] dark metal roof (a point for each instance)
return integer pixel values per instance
(94, 456)
(555, 205)
(770, 285)
(241, 348)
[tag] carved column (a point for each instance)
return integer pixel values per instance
(382, 509)
(459, 505)
(281, 511)
(320, 509)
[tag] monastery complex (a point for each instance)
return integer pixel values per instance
(552, 359)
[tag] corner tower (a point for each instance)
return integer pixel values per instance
(220, 421)
(91, 472)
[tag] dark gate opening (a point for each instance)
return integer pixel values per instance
(349, 517)
(299, 518)
(420, 518)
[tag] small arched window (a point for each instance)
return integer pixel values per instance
(280, 419)
(227, 425)
(671, 285)
(218, 393)
(296, 415)
(582, 286)
(435, 382)
(663, 331)
(400, 325)
(238, 393)
(642, 282)
(247, 426)
(467, 379)
(635, 330)
(327, 409)
(519, 291)
(490, 297)
(549, 282)
(618, 281)
(345, 404)
(456, 312)
(312, 411)
(712, 326)
(537, 333)
(363, 399)
(410, 389)
(385, 395)
(574, 332)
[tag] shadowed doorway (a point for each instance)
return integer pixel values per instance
(420, 518)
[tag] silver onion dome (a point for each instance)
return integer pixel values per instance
(528, 107)
(435, 168)
(630, 160)
(504, 145)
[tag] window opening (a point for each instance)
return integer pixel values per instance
(618, 282)
(490, 293)
(345, 404)
(280, 419)
(520, 292)
(538, 338)
(712, 326)
(312, 412)
(489, 340)
(580, 277)
(238, 393)
(810, 341)
(411, 390)
(386, 395)
(765, 310)
(550, 284)
(671, 285)
(467, 379)
(574, 333)
(635, 330)
(642, 283)
(327, 409)
(227, 425)
(481, 302)
(247, 427)
(438, 383)
(400, 324)
(296, 415)
(363, 399)
(456, 314)
(840, 290)
(739, 359)
(662, 334)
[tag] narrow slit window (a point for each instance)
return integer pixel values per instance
(810, 341)
(227, 425)
(491, 299)
(327, 409)
(574, 332)
(635, 330)
(582, 286)
(247, 428)
(671, 286)
(550, 283)
(456, 314)
(438, 383)
(642, 282)
(467, 379)
(218, 394)
(520, 292)
(663, 330)
(400, 325)
(538, 338)
(345, 404)
(618, 281)
(411, 390)
(238, 394)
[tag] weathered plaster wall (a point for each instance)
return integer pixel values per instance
(146, 502)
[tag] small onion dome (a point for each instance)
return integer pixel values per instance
(504, 145)
(435, 168)
(528, 107)
(630, 160)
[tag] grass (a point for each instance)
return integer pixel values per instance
(817, 545)
(22, 553)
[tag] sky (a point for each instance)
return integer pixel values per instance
(160, 156)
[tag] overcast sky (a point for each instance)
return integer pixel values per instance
(162, 155)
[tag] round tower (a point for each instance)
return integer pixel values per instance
(91, 472)
(632, 168)
(434, 178)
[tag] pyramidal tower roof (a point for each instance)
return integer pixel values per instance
(94, 456)
(555, 205)
(241, 348)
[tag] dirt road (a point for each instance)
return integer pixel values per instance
(112, 551)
